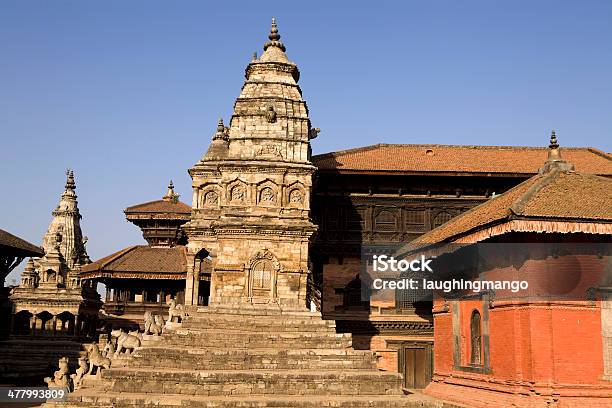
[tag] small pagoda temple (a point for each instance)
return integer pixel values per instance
(51, 299)
(144, 278)
(550, 345)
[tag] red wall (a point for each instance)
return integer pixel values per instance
(540, 352)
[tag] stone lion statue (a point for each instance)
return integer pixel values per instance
(61, 378)
(176, 310)
(153, 324)
(96, 359)
(77, 378)
(125, 341)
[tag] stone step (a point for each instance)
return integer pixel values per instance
(91, 398)
(254, 323)
(208, 338)
(201, 359)
(251, 382)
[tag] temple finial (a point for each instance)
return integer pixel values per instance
(554, 159)
(553, 141)
(221, 133)
(274, 37)
(70, 184)
(170, 195)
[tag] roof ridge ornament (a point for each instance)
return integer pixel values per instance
(274, 37)
(171, 195)
(554, 159)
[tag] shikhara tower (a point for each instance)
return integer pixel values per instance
(251, 191)
(51, 299)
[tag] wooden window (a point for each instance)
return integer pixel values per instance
(475, 339)
(385, 221)
(262, 275)
(415, 220)
(441, 218)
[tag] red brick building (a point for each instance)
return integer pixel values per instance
(495, 350)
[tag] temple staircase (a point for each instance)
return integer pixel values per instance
(224, 357)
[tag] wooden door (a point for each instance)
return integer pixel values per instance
(416, 365)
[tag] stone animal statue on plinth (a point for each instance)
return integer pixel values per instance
(61, 378)
(77, 378)
(153, 324)
(109, 349)
(96, 359)
(175, 310)
(125, 341)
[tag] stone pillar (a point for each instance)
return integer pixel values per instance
(33, 325)
(190, 282)
(75, 327)
(196, 282)
(54, 321)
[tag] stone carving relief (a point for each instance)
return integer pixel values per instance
(238, 194)
(268, 150)
(271, 115)
(267, 196)
(211, 199)
(295, 197)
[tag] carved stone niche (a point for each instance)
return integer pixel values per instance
(267, 193)
(262, 269)
(296, 195)
(210, 197)
(237, 193)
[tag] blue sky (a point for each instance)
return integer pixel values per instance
(128, 93)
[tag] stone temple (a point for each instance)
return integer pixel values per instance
(259, 278)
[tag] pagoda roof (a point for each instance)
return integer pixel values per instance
(12, 244)
(160, 207)
(457, 159)
(142, 262)
(557, 200)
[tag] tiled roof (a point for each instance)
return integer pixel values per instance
(160, 206)
(406, 158)
(565, 196)
(141, 261)
(12, 244)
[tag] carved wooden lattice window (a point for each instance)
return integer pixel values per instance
(261, 275)
(385, 221)
(476, 339)
(441, 218)
(415, 220)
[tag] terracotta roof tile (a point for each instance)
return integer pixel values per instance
(160, 206)
(555, 196)
(453, 159)
(14, 244)
(141, 261)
